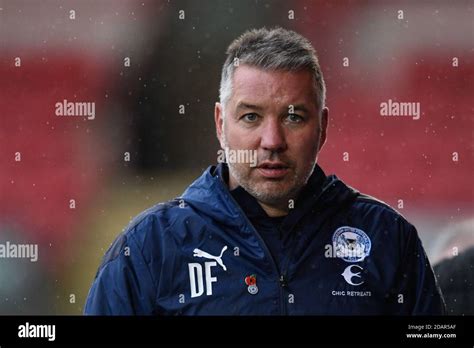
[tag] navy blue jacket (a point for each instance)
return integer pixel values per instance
(341, 253)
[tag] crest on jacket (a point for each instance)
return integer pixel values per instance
(351, 244)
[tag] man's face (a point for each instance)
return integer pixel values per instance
(275, 114)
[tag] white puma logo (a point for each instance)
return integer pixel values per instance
(200, 253)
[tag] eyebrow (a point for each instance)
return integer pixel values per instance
(243, 105)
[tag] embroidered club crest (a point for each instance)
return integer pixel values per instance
(351, 244)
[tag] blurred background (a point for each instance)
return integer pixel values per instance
(152, 68)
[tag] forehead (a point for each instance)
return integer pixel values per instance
(255, 85)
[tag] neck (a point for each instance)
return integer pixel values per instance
(273, 210)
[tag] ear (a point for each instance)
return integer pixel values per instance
(219, 121)
(324, 126)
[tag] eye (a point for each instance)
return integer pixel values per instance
(250, 117)
(294, 118)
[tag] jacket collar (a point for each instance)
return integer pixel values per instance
(257, 214)
(210, 195)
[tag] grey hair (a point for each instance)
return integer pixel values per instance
(274, 49)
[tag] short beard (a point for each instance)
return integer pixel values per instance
(275, 197)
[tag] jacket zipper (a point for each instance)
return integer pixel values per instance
(281, 279)
(284, 275)
(284, 270)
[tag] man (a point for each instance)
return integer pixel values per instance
(274, 236)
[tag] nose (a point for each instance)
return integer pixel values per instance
(273, 136)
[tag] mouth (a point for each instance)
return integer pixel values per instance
(273, 170)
